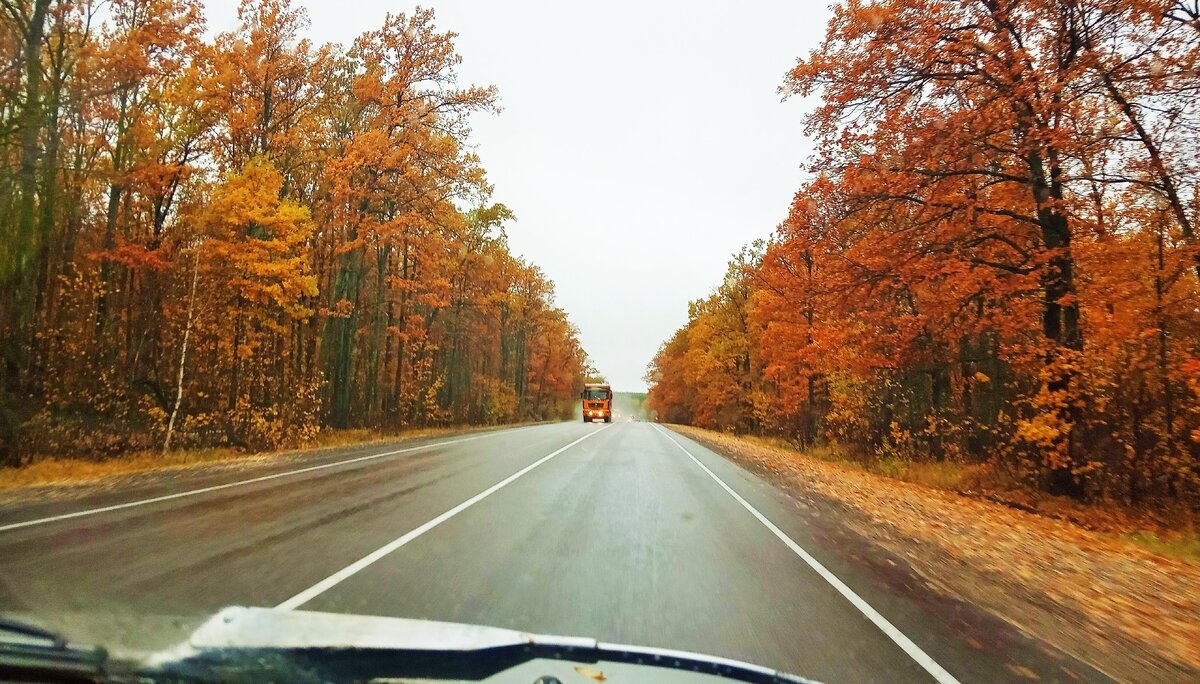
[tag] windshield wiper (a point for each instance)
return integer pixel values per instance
(31, 653)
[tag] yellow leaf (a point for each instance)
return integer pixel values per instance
(1022, 671)
(590, 673)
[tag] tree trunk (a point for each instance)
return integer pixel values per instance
(115, 192)
(20, 250)
(31, 126)
(342, 333)
(187, 331)
(1060, 317)
(382, 258)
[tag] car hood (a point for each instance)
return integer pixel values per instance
(238, 627)
(269, 629)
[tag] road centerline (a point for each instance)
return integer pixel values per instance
(891, 631)
(239, 483)
(364, 562)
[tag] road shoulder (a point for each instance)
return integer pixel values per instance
(146, 475)
(1128, 611)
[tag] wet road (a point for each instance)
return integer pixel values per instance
(627, 532)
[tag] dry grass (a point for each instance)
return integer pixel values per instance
(54, 470)
(948, 475)
(1167, 532)
(1185, 544)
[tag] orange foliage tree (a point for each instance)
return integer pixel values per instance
(995, 256)
(252, 237)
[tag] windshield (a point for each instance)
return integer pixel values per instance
(854, 339)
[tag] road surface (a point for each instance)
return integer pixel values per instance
(628, 533)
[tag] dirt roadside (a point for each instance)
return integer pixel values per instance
(1131, 613)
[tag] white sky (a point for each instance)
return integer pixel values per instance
(640, 146)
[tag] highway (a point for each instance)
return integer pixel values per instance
(628, 532)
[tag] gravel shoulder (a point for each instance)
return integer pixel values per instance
(1131, 613)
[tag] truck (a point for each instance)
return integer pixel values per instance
(597, 402)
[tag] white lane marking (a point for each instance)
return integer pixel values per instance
(906, 644)
(239, 483)
(358, 565)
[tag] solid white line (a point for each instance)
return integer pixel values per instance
(906, 644)
(339, 576)
(239, 483)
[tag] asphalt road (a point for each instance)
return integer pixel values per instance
(627, 532)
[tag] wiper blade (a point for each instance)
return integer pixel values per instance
(32, 653)
(10, 628)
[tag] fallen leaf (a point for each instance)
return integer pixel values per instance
(590, 673)
(1020, 671)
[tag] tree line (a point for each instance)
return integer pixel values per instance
(243, 239)
(994, 256)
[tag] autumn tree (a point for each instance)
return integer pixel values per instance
(245, 239)
(994, 256)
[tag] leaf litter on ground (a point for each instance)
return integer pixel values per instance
(1132, 613)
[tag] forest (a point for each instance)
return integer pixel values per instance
(992, 259)
(242, 239)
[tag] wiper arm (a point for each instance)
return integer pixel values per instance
(10, 627)
(31, 653)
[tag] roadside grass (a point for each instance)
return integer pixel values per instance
(1184, 544)
(1169, 533)
(947, 475)
(56, 470)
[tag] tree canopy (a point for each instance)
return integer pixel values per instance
(994, 258)
(247, 238)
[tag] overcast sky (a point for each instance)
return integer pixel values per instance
(640, 146)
